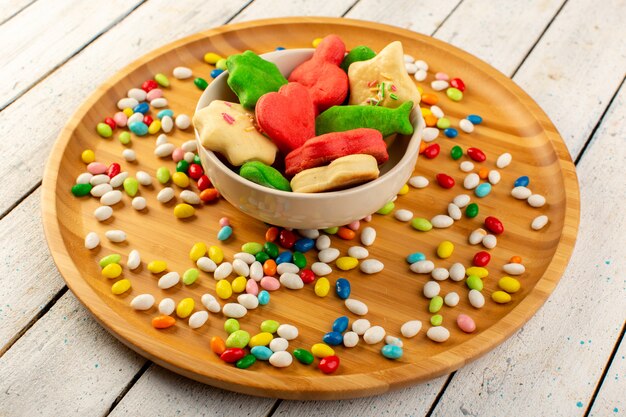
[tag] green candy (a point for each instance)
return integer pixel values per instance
(474, 282)
(359, 53)
(190, 276)
(182, 166)
(435, 304)
(264, 175)
(443, 123)
(131, 186)
(471, 210)
(124, 138)
(271, 249)
(114, 258)
(252, 248)
(421, 224)
(386, 120)
(104, 130)
(387, 208)
(261, 257)
(238, 339)
(201, 83)
(269, 326)
(299, 259)
(231, 326)
(197, 160)
(250, 76)
(454, 94)
(436, 320)
(80, 190)
(163, 175)
(162, 80)
(303, 355)
(331, 230)
(221, 64)
(456, 152)
(246, 362)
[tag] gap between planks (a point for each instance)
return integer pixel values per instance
(18, 11)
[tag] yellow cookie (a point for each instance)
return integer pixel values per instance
(382, 80)
(342, 173)
(229, 129)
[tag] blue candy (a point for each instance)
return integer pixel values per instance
(483, 190)
(264, 297)
(283, 257)
(165, 112)
(333, 338)
(262, 353)
(224, 233)
(522, 181)
(303, 245)
(341, 324)
(141, 108)
(280, 48)
(451, 132)
(216, 72)
(138, 128)
(475, 119)
(392, 352)
(415, 257)
(342, 288)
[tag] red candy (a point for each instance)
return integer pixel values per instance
(286, 239)
(326, 148)
(149, 85)
(113, 170)
(476, 154)
(148, 120)
(445, 181)
(232, 355)
(458, 84)
(195, 171)
(326, 82)
(307, 276)
(432, 151)
(203, 183)
(329, 364)
(288, 116)
(110, 122)
(481, 258)
(494, 225)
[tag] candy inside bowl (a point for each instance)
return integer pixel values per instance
(308, 210)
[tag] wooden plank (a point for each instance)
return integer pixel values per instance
(554, 362)
(69, 26)
(65, 365)
(13, 7)
(611, 400)
(263, 9)
(160, 392)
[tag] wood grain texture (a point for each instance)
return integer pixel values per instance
(582, 319)
(65, 365)
(13, 7)
(262, 9)
(611, 399)
(541, 148)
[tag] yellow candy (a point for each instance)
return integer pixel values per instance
(120, 287)
(239, 284)
(181, 179)
(154, 127)
(445, 249)
(346, 263)
(420, 89)
(223, 289)
(183, 210)
(500, 297)
(112, 271)
(477, 270)
(88, 156)
(211, 58)
(216, 254)
(128, 111)
(261, 339)
(322, 287)
(321, 350)
(508, 284)
(156, 267)
(404, 189)
(316, 42)
(425, 111)
(185, 307)
(198, 250)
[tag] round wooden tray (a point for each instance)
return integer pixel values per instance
(512, 123)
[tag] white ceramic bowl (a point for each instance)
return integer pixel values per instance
(304, 210)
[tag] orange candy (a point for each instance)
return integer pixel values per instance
(430, 120)
(483, 173)
(163, 322)
(429, 98)
(423, 146)
(217, 345)
(515, 260)
(208, 195)
(345, 233)
(271, 234)
(269, 267)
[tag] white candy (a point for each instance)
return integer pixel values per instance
(490, 241)
(164, 150)
(161, 139)
(134, 259)
(322, 242)
(477, 236)
(429, 134)
(210, 303)
(291, 281)
(256, 271)
(359, 326)
(165, 195)
(431, 289)
(103, 213)
(206, 264)
(167, 124)
(190, 197)
(454, 211)
(99, 179)
(521, 193)
(189, 157)
(418, 182)
(197, 319)
(461, 200)
(476, 299)
(143, 178)
(310, 233)
(241, 267)
(182, 73)
(127, 102)
(137, 93)
(514, 268)
(100, 190)
(466, 166)
(159, 102)
(451, 299)
(408, 58)
(441, 221)
(420, 75)
(115, 236)
(321, 269)
(471, 181)
(539, 222)
(535, 200)
(358, 252)
(169, 280)
(142, 302)
(278, 344)
(281, 359)
(183, 121)
(248, 258)
(422, 267)
(392, 340)
(350, 339)
(439, 85)
(494, 176)
(438, 334)
(357, 307)
(139, 203)
(223, 271)
(466, 126)
(111, 198)
(371, 266)
(129, 155)
(189, 146)
(504, 160)
(374, 335)
(167, 306)
(411, 328)
(403, 215)
(249, 301)
(437, 112)
(287, 267)
(440, 274)
(85, 178)
(118, 180)
(457, 271)
(136, 117)
(421, 65)
(92, 240)
(234, 310)
(368, 236)
(328, 255)
(287, 331)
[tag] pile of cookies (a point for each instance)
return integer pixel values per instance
(320, 129)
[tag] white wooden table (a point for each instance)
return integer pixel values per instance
(569, 360)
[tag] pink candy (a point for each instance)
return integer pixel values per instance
(224, 222)
(367, 218)
(120, 119)
(252, 287)
(96, 168)
(178, 154)
(269, 283)
(152, 94)
(442, 76)
(466, 323)
(354, 225)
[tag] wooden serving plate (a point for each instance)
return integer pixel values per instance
(512, 123)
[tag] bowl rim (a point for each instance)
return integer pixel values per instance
(411, 148)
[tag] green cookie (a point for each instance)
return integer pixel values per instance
(264, 175)
(360, 53)
(383, 119)
(250, 76)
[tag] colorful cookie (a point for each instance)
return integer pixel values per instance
(382, 80)
(387, 121)
(359, 53)
(250, 76)
(321, 75)
(343, 172)
(264, 175)
(229, 129)
(326, 148)
(288, 116)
